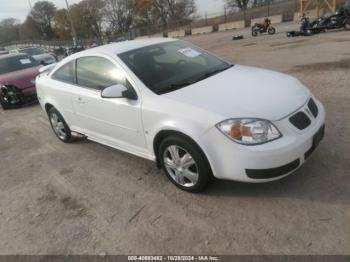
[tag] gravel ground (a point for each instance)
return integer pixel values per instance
(85, 198)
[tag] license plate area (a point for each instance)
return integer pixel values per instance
(317, 138)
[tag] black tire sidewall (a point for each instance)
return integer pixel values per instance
(204, 170)
(66, 127)
(4, 104)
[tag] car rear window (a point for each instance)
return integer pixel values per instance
(32, 51)
(16, 63)
(66, 73)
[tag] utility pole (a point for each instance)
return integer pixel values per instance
(225, 14)
(30, 5)
(74, 34)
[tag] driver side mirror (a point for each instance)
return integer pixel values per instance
(119, 91)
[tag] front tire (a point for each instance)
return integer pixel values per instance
(184, 163)
(59, 126)
(271, 30)
(4, 104)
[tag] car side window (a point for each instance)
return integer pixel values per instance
(98, 73)
(66, 73)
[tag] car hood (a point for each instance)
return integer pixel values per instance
(21, 79)
(243, 91)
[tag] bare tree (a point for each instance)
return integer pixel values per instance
(91, 15)
(43, 13)
(62, 24)
(119, 14)
(172, 11)
(30, 29)
(9, 30)
(181, 11)
(237, 4)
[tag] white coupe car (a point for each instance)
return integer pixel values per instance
(195, 115)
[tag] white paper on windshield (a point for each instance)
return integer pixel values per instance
(25, 61)
(189, 52)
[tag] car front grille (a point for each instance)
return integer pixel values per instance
(313, 107)
(302, 119)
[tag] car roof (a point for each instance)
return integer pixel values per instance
(13, 55)
(122, 47)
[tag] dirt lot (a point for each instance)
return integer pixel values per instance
(85, 198)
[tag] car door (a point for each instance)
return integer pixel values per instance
(113, 121)
(62, 86)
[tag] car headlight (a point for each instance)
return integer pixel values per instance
(249, 131)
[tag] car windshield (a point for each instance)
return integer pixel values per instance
(167, 67)
(32, 51)
(11, 64)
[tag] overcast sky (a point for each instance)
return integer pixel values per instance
(20, 8)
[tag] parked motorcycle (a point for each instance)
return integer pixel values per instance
(340, 19)
(263, 28)
(309, 27)
(72, 50)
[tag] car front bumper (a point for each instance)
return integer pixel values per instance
(13, 97)
(265, 162)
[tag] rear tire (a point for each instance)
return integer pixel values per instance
(184, 163)
(59, 125)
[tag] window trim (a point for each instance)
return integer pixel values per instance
(131, 82)
(128, 86)
(74, 73)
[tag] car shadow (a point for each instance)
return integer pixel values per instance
(311, 182)
(321, 179)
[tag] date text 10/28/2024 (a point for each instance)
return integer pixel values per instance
(173, 258)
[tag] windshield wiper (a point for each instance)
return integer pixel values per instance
(176, 86)
(209, 74)
(173, 87)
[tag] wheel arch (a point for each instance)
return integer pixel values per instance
(48, 106)
(162, 134)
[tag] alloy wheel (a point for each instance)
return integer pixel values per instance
(58, 126)
(181, 166)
